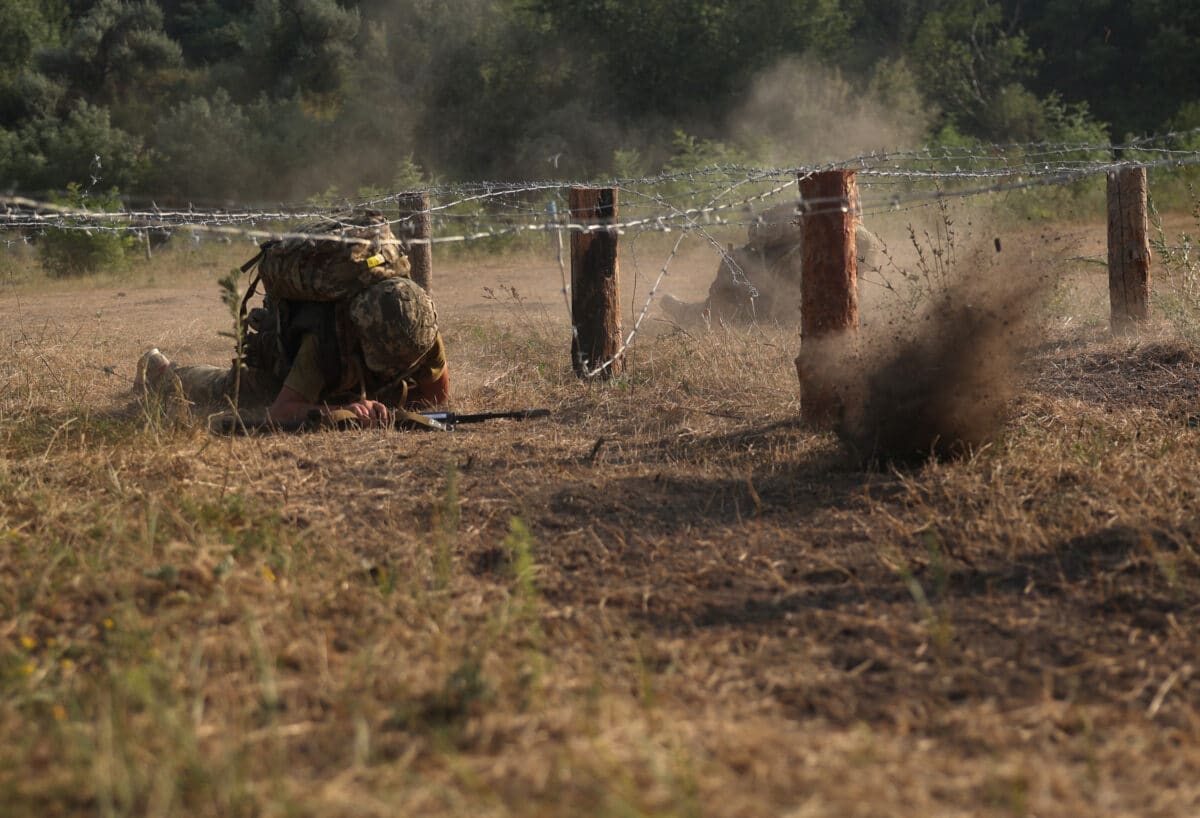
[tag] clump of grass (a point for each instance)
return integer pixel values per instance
(444, 536)
(669, 598)
(1180, 300)
(931, 265)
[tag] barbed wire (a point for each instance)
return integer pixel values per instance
(691, 202)
(663, 210)
(637, 324)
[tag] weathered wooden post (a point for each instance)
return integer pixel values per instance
(417, 224)
(595, 283)
(1128, 248)
(829, 290)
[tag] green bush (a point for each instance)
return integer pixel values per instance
(83, 247)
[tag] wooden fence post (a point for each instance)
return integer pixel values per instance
(595, 283)
(828, 290)
(1128, 249)
(417, 224)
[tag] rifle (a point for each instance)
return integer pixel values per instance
(452, 419)
(228, 423)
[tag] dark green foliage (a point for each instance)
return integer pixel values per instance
(200, 136)
(672, 57)
(215, 101)
(301, 47)
(209, 31)
(68, 252)
(972, 63)
(82, 146)
(113, 51)
(22, 30)
(27, 96)
(1135, 63)
(24, 94)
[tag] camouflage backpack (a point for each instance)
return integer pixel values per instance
(332, 259)
(310, 281)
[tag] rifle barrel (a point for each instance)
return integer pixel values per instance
(454, 418)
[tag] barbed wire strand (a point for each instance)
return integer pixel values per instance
(1012, 168)
(638, 323)
(24, 214)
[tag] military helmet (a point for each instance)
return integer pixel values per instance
(396, 323)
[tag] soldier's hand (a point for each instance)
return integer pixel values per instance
(369, 412)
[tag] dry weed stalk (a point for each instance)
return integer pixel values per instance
(714, 612)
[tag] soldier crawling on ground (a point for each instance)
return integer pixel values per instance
(759, 282)
(342, 326)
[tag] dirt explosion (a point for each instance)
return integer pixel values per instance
(940, 383)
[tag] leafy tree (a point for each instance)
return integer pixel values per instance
(24, 94)
(22, 30)
(112, 51)
(88, 148)
(501, 97)
(303, 47)
(12, 156)
(973, 61)
(209, 32)
(83, 148)
(882, 30)
(683, 58)
(1135, 62)
(204, 152)
(29, 95)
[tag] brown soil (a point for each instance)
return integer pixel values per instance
(732, 615)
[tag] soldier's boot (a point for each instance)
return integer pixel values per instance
(151, 368)
(157, 384)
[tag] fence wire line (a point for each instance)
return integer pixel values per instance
(23, 214)
(686, 219)
(888, 182)
(490, 190)
(738, 275)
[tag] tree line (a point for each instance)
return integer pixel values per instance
(222, 101)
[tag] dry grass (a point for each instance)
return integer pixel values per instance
(668, 599)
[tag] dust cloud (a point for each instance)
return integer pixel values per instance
(940, 383)
(799, 112)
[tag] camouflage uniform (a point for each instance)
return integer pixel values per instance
(395, 323)
(340, 322)
(759, 281)
(391, 327)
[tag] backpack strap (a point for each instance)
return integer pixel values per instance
(245, 268)
(249, 265)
